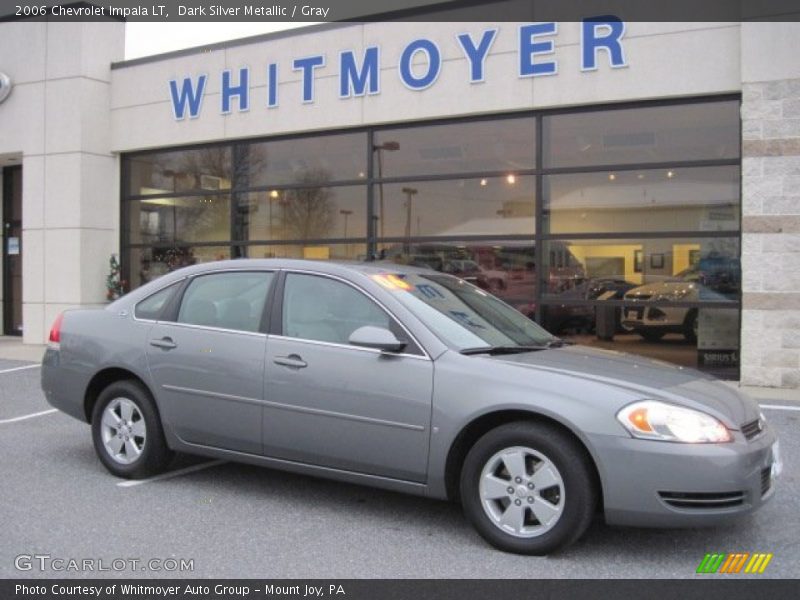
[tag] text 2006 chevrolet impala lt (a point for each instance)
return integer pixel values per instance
(410, 380)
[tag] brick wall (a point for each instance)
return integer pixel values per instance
(770, 354)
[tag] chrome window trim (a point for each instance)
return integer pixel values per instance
(347, 347)
(209, 328)
(425, 355)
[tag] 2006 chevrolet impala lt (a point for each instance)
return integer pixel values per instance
(409, 380)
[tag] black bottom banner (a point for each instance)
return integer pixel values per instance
(385, 589)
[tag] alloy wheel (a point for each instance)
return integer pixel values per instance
(123, 431)
(522, 492)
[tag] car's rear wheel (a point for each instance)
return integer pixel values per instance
(528, 488)
(127, 432)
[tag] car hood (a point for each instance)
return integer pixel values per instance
(652, 378)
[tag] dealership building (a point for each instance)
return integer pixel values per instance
(629, 185)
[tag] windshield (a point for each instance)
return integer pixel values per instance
(462, 315)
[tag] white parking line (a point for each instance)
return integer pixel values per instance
(23, 417)
(171, 474)
(779, 407)
(20, 368)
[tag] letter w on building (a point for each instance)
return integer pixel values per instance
(187, 96)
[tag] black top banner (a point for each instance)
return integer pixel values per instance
(402, 10)
(384, 589)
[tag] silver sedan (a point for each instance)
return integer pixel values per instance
(409, 380)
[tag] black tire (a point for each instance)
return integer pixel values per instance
(577, 473)
(690, 326)
(155, 454)
(651, 335)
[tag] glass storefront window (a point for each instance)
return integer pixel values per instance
(707, 339)
(354, 251)
(643, 270)
(701, 131)
(505, 268)
(147, 264)
(702, 199)
(495, 206)
(304, 214)
(205, 169)
(505, 145)
(182, 219)
(660, 239)
(314, 160)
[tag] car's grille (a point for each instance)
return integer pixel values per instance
(703, 500)
(752, 429)
(639, 297)
(766, 480)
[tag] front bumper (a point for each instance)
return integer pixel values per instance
(663, 484)
(668, 319)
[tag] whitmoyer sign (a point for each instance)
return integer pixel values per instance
(418, 66)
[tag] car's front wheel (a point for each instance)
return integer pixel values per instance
(528, 488)
(127, 432)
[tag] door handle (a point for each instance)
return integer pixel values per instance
(164, 343)
(293, 361)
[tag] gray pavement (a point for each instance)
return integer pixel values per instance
(242, 521)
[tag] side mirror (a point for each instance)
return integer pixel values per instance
(377, 338)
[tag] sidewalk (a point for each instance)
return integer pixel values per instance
(12, 348)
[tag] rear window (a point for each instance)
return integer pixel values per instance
(227, 300)
(151, 307)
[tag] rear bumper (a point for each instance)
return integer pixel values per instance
(662, 484)
(62, 387)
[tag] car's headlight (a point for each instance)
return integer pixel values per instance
(653, 420)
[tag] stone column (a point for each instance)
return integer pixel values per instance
(71, 185)
(770, 351)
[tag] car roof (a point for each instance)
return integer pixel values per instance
(330, 267)
(323, 266)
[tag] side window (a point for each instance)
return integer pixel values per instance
(152, 306)
(226, 300)
(326, 310)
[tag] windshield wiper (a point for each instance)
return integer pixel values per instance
(492, 350)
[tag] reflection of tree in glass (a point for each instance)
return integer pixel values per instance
(309, 212)
(214, 162)
(208, 217)
(220, 162)
(248, 161)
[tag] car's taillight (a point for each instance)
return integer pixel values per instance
(55, 330)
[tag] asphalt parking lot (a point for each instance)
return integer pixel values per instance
(241, 521)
